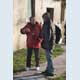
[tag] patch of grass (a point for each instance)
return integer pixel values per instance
(58, 50)
(60, 78)
(19, 57)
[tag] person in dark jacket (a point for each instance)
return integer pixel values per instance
(33, 42)
(47, 43)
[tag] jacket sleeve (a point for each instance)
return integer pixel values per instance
(23, 30)
(40, 34)
(40, 31)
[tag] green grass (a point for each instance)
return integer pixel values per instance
(60, 78)
(57, 50)
(19, 58)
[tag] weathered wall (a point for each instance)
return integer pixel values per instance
(41, 6)
(19, 18)
(22, 12)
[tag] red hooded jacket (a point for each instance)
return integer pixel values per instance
(34, 37)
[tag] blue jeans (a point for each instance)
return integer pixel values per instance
(49, 67)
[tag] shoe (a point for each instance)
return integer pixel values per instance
(49, 74)
(44, 72)
(27, 69)
(37, 68)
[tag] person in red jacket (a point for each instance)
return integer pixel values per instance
(33, 42)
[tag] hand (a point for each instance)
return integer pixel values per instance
(40, 39)
(27, 30)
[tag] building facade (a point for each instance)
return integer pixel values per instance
(51, 6)
(23, 9)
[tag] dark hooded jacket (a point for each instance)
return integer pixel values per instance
(47, 34)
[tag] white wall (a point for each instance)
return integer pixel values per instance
(41, 6)
(21, 11)
(21, 14)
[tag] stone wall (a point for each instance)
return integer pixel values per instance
(19, 18)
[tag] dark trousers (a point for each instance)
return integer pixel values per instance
(29, 54)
